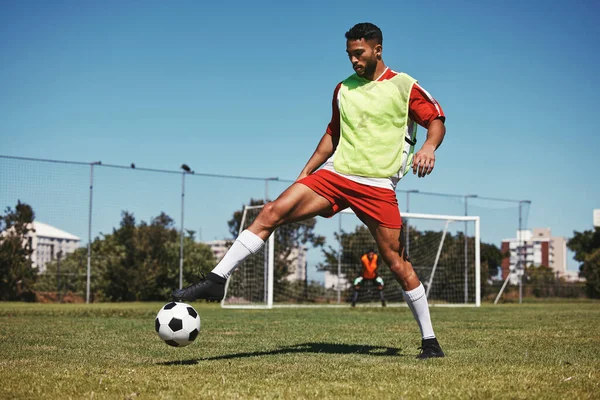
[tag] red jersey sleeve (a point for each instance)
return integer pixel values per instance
(333, 128)
(423, 108)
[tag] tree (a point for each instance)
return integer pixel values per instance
(541, 279)
(491, 262)
(17, 274)
(586, 246)
(73, 268)
(136, 262)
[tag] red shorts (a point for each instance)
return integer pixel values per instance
(378, 203)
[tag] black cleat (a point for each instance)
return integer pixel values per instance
(430, 348)
(211, 288)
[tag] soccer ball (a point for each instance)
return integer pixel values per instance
(178, 324)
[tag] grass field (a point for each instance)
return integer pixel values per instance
(544, 350)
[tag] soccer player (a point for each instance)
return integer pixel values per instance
(367, 148)
(368, 275)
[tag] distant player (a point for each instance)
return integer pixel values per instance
(368, 275)
(367, 148)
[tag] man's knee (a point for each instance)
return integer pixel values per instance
(270, 216)
(401, 267)
(269, 209)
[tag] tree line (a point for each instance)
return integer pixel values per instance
(139, 261)
(135, 262)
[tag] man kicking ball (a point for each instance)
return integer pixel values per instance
(367, 148)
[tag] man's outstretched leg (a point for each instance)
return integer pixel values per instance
(297, 203)
(212, 288)
(391, 249)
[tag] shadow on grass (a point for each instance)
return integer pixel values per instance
(327, 348)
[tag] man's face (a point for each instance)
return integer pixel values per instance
(370, 255)
(363, 56)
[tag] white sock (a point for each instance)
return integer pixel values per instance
(417, 302)
(245, 244)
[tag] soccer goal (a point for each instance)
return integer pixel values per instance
(313, 263)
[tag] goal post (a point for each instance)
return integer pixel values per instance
(448, 219)
(291, 272)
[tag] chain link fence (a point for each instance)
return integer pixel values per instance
(81, 202)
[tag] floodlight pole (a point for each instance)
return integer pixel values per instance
(521, 263)
(181, 232)
(467, 248)
(273, 178)
(185, 170)
(89, 246)
(519, 254)
(58, 256)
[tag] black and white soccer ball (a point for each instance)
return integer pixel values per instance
(178, 324)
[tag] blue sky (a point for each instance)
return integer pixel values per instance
(244, 88)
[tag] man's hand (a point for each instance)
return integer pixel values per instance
(424, 160)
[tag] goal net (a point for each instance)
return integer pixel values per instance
(313, 263)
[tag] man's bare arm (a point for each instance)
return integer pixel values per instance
(323, 151)
(424, 159)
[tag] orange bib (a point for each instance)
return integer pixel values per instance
(369, 267)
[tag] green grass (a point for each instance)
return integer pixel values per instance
(539, 350)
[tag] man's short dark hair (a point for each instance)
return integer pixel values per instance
(365, 30)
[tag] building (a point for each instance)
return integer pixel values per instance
(219, 247)
(47, 242)
(298, 264)
(335, 282)
(596, 218)
(537, 247)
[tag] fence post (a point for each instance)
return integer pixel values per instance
(181, 232)
(89, 247)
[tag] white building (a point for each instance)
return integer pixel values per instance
(335, 281)
(297, 266)
(596, 218)
(219, 247)
(537, 247)
(47, 241)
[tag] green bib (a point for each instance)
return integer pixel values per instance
(374, 127)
